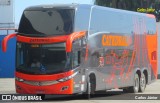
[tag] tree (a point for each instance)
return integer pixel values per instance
(126, 4)
(107, 3)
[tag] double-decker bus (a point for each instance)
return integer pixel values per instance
(78, 48)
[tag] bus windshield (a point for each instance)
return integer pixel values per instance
(47, 22)
(42, 59)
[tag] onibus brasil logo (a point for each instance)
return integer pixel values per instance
(21, 98)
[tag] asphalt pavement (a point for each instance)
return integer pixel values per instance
(7, 86)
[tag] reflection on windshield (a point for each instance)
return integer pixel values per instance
(42, 59)
(47, 22)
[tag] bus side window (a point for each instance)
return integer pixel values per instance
(76, 59)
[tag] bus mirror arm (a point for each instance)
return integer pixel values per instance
(5, 41)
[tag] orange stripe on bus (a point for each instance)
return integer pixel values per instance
(5, 41)
(42, 40)
(73, 37)
(150, 15)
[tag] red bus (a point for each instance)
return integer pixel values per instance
(77, 48)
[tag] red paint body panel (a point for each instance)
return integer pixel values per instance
(48, 40)
(5, 41)
(42, 40)
(43, 77)
(150, 15)
(49, 89)
(73, 37)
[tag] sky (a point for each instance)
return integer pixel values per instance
(20, 5)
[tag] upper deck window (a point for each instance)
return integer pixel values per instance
(47, 22)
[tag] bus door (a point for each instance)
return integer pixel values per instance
(77, 66)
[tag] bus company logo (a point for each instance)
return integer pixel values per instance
(39, 40)
(39, 84)
(115, 40)
(6, 97)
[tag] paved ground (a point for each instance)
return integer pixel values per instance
(7, 86)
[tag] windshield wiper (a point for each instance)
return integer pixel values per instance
(32, 35)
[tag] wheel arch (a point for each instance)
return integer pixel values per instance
(138, 71)
(145, 71)
(90, 75)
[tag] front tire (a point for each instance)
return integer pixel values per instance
(91, 86)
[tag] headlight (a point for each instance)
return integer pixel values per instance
(67, 78)
(64, 79)
(19, 79)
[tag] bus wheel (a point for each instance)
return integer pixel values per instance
(142, 83)
(135, 87)
(42, 96)
(88, 91)
(91, 85)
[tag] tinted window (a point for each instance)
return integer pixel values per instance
(42, 59)
(47, 22)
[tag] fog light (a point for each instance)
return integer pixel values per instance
(64, 88)
(18, 87)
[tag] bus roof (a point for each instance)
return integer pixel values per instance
(74, 6)
(39, 7)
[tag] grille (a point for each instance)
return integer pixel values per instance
(43, 83)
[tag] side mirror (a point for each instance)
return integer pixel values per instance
(5, 41)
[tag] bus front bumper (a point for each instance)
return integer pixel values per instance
(59, 88)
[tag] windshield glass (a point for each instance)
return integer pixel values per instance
(42, 59)
(47, 22)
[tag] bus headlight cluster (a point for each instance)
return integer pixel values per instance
(19, 79)
(67, 78)
(46, 82)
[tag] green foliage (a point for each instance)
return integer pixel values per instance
(126, 4)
